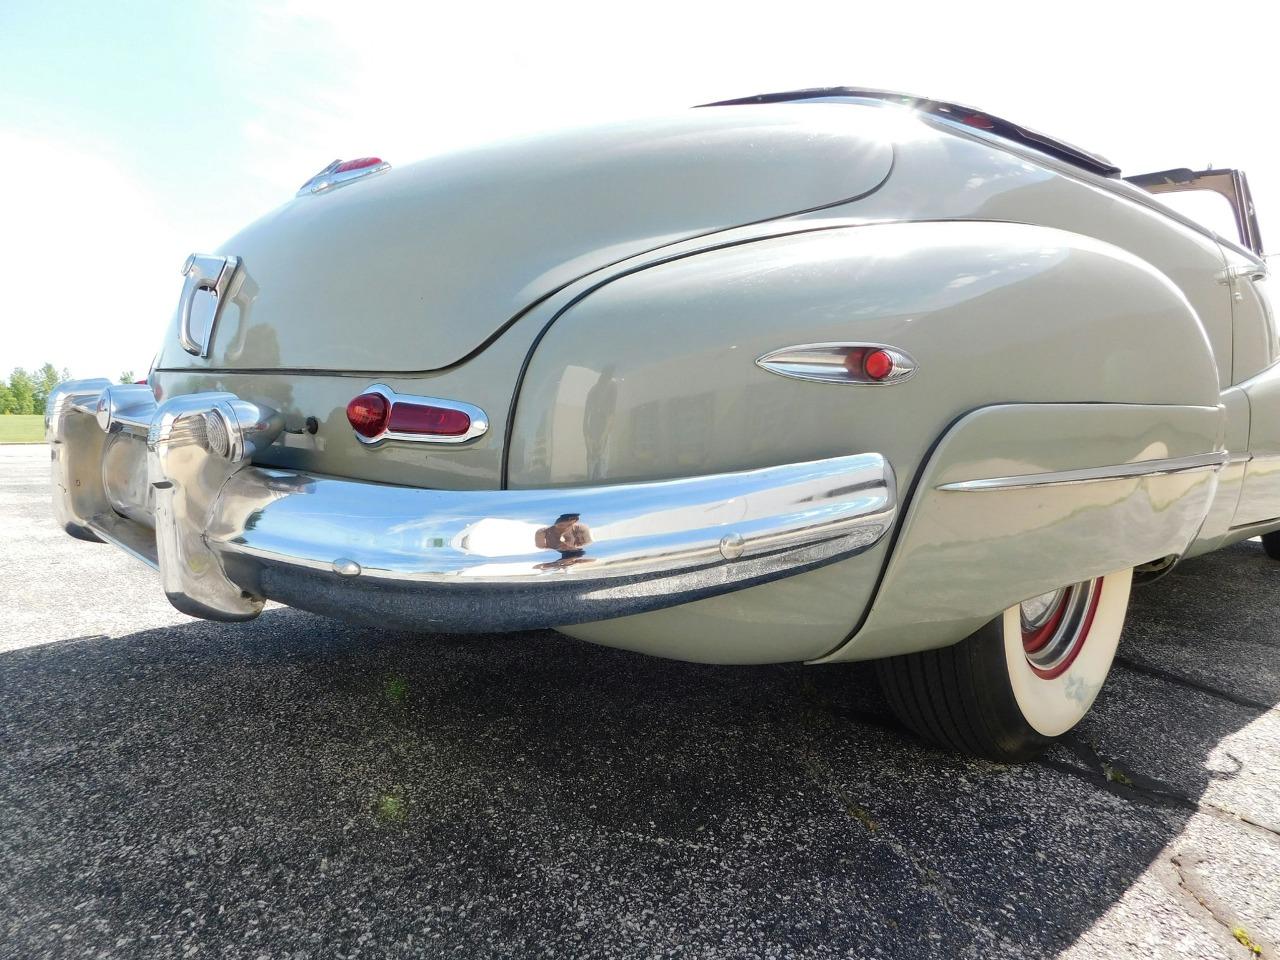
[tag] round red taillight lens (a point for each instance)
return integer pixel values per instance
(877, 364)
(368, 414)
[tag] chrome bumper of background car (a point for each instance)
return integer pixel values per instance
(172, 483)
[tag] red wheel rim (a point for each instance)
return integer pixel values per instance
(1053, 636)
(1037, 638)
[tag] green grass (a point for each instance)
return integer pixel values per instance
(22, 428)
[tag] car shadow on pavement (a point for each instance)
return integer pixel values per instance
(298, 787)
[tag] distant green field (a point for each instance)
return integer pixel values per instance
(21, 428)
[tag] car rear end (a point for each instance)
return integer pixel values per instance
(326, 422)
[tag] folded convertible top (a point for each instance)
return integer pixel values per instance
(968, 116)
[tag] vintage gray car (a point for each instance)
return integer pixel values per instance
(820, 376)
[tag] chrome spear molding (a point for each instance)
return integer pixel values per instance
(1120, 471)
(226, 535)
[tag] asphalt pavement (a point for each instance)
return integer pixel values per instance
(294, 787)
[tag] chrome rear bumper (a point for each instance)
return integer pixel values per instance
(173, 484)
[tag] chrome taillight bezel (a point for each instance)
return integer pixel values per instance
(331, 177)
(478, 427)
(829, 363)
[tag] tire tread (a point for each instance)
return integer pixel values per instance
(948, 697)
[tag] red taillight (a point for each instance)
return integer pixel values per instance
(869, 364)
(420, 418)
(360, 164)
(368, 414)
(877, 364)
(374, 414)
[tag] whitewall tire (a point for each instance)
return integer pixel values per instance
(1028, 676)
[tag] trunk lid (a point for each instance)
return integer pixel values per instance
(416, 268)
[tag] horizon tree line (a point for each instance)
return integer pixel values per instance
(26, 393)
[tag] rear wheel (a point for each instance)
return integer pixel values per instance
(1028, 676)
(1271, 544)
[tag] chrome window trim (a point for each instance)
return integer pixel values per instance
(479, 419)
(1122, 471)
(815, 362)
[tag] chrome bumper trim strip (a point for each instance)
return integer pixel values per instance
(1121, 471)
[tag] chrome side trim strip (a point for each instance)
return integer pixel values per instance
(1120, 471)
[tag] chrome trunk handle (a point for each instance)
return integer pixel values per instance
(203, 273)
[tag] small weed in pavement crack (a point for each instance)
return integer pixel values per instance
(1136, 788)
(1246, 941)
(1110, 776)
(1192, 884)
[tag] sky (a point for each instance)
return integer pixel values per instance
(132, 134)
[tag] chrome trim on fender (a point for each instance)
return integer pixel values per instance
(479, 419)
(1122, 471)
(227, 535)
(827, 363)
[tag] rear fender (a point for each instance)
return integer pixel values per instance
(1020, 499)
(653, 375)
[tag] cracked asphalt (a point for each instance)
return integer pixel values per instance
(294, 788)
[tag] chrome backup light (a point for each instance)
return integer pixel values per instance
(235, 429)
(216, 436)
(865, 363)
(342, 172)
